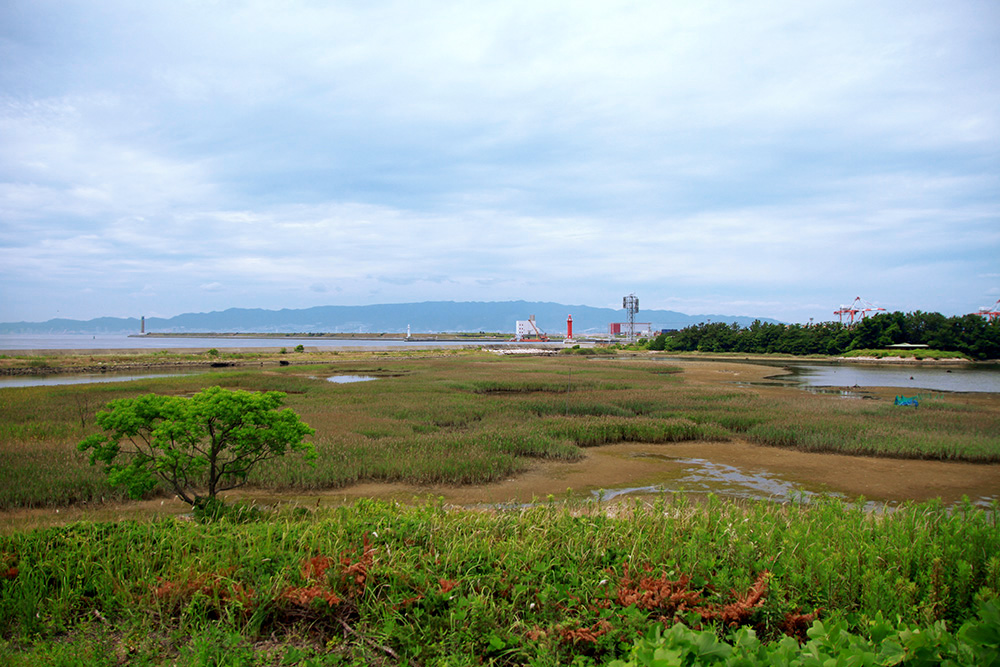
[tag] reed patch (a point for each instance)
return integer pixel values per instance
(425, 412)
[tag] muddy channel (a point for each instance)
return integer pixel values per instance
(634, 471)
(733, 469)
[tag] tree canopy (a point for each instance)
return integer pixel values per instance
(209, 442)
(971, 335)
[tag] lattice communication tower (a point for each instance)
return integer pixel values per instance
(631, 305)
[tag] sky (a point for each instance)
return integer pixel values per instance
(772, 159)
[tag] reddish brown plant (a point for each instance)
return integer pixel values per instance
(316, 567)
(356, 573)
(796, 624)
(588, 635)
(303, 596)
(657, 594)
(738, 612)
(216, 585)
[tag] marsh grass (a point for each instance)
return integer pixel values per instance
(608, 430)
(473, 418)
(938, 430)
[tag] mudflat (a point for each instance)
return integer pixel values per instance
(640, 465)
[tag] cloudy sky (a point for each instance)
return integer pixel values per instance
(773, 159)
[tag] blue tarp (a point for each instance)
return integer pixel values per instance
(903, 400)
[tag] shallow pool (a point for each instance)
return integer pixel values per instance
(80, 378)
(971, 378)
(345, 379)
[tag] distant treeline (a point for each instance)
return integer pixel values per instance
(971, 335)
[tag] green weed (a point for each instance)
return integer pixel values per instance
(547, 584)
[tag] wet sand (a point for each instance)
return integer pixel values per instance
(737, 468)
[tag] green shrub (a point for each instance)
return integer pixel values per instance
(975, 644)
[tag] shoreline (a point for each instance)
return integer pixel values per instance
(117, 360)
(417, 338)
(818, 359)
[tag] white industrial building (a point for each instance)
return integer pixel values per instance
(527, 329)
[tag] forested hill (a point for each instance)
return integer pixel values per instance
(972, 335)
(431, 316)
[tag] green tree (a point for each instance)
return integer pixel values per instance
(659, 343)
(718, 337)
(969, 335)
(930, 329)
(794, 340)
(209, 442)
(868, 333)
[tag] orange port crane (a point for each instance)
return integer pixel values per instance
(539, 334)
(857, 310)
(990, 312)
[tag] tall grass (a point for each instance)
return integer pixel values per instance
(473, 418)
(938, 429)
(551, 584)
(593, 432)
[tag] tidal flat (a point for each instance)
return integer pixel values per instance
(481, 430)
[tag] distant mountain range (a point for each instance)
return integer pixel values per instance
(427, 317)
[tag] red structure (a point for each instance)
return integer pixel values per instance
(860, 307)
(990, 312)
(569, 328)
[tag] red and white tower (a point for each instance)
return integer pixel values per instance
(569, 328)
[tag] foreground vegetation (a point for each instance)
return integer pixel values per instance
(381, 583)
(474, 418)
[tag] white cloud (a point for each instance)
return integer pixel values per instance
(715, 155)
